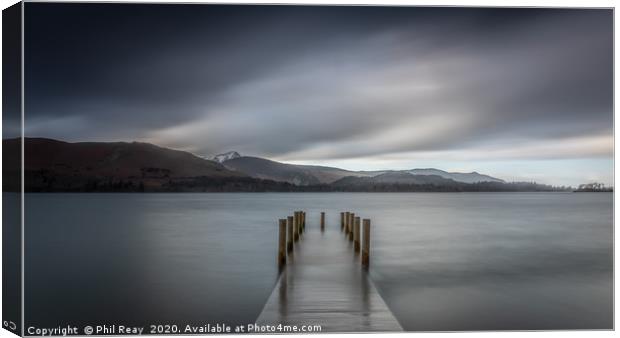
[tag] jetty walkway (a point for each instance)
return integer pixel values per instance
(324, 279)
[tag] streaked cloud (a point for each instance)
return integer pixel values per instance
(396, 85)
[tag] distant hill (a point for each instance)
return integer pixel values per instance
(55, 166)
(267, 169)
(472, 177)
(291, 173)
(395, 177)
(309, 175)
(119, 159)
(330, 174)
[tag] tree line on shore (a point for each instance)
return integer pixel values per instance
(44, 182)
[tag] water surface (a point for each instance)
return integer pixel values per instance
(442, 261)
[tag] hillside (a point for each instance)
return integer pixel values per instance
(267, 169)
(51, 164)
(56, 166)
(329, 175)
(291, 173)
(310, 174)
(395, 177)
(472, 177)
(119, 159)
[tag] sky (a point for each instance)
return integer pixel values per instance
(517, 93)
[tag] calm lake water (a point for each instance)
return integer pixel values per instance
(442, 261)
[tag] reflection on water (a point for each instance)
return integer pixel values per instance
(441, 261)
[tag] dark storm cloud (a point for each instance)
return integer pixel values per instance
(322, 82)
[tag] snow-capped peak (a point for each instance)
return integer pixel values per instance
(226, 156)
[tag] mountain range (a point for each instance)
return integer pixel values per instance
(310, 175)
(52, 165)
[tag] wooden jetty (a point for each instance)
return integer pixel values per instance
(324, 281)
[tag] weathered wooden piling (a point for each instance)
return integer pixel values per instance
(341, 221)
(351, 221)
(356, 234)
(366, 244)
(348, 225)
(296, 226)
(289, 245)
(303, 221)
(351, 224)
(299, 223)
(282, 243)
(346, 222)
(322, 220)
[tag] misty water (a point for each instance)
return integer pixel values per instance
(441, 261)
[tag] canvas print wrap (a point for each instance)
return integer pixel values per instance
(302, 169)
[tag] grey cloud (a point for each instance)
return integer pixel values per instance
(356, 86)
(529, 88)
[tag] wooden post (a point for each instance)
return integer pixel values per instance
(296, 226)
(303, 220)
(351, 224)
(322, 220)
(366, 244)
(282, 243)
(289, 245)
(351, 221)
(341, 221)
(346, 222)
(356, 234)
